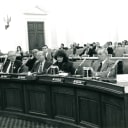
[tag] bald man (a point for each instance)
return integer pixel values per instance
(11, 65)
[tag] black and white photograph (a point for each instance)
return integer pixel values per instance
(64, 64)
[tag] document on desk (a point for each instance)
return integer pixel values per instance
(122, 80)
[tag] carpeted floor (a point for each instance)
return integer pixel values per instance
(8, 122)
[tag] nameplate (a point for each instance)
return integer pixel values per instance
(21, 77)
(57, 79)
(79, 82)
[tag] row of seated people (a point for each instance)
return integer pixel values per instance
(39, 63)
(90, 50)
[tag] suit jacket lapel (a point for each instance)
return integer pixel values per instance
(97, 66)
(6, 65)
(104, 66)
(37, 66)
(45, 66)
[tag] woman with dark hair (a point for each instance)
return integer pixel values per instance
(63, 63)
(19, 53)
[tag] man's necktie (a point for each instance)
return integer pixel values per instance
(40, 68)
(100, 66)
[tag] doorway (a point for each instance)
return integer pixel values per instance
(36, 35)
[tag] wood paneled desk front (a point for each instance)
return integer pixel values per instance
(69, 102)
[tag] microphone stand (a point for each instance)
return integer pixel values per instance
(79, 65)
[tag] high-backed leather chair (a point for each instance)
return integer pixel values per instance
(117, 68)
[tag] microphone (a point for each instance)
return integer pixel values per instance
(113, 67)
(79, 65)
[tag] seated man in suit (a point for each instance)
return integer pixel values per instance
(23, 68)
(41, 65)
(32, 60)
(11, 65)
(103, 66)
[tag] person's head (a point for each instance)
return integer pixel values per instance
(94, 44)
(61, 56)
(102, 54)
(62, 45)
(12, 56)
(45, 48)
(97, 44)
(40, 56)
(119, 44)
(19, 48)
(34, 52)
(109, 43)
(91, 46)
(24, 60)
(85, 45)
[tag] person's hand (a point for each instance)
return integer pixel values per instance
(29, 73)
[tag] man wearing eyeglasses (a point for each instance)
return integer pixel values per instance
(11, 65)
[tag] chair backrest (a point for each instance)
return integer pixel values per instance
(79, 51)
(84, 63)
(69, 52)
(117, 68)
(2, 61)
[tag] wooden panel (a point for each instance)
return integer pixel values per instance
(88, 111)
(36, 35)
(110, 99)
(31, 27)
(39, 40)
(1, 99)
(112, 116)
(64, 104)
(112, 112)
(88, 103)
(38, 99)
(13, 97)
(32, 39)
(126, 110)
(40, 26)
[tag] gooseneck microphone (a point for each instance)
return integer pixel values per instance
(79, 65)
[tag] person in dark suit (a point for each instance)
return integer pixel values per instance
(63, 63)
(41, 65)
(103, 66)
(84, 51)
(11, 65)
(47, 53)
(32, 59)
(23, 68)
(91, 51)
